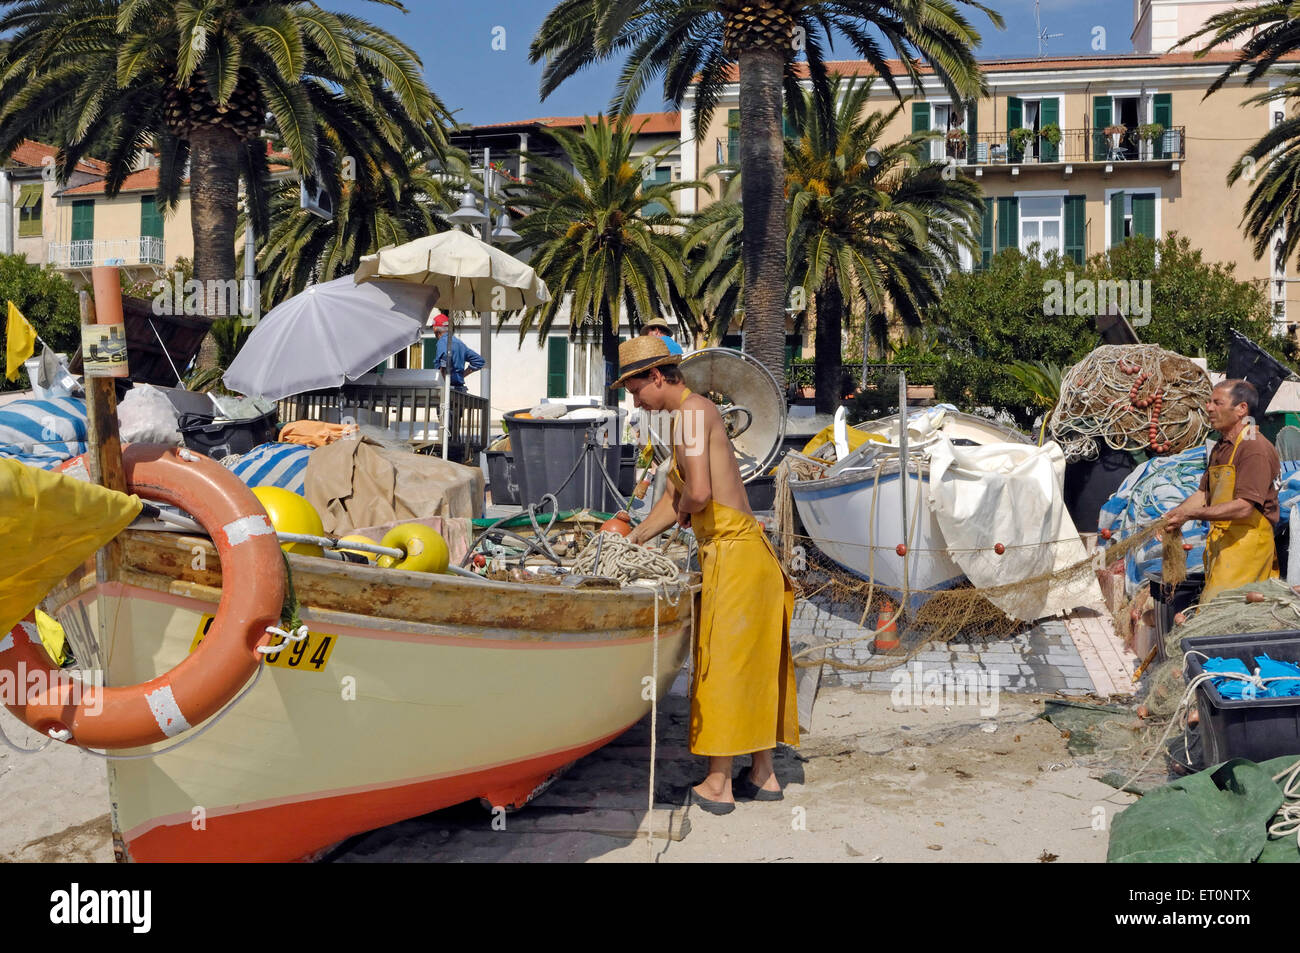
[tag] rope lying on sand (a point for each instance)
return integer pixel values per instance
(1133, 397)
(616, 557)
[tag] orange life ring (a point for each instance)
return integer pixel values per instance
(252, 595)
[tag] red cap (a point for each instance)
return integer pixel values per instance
(440, 320)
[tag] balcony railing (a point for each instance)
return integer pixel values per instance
(1076, 145)
(125, 252)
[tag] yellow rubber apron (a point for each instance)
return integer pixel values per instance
(1237, 552)
(743, 695)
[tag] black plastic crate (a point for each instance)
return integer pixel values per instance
(220, 438)
(1256, 729)
(503, 477)
(1171, 600)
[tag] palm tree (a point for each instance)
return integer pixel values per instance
(871, 224)
(1272, 164)
(715, 268)
(589, 227)
(197, 82)
(381, 206)
(695, 43)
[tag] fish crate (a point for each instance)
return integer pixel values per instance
(217, 438)
(1171, 600)
(1255, 729)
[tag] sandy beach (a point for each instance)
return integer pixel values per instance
(870, 783)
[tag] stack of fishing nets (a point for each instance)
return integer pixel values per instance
(1133, 397)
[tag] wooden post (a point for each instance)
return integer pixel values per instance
(104, 451)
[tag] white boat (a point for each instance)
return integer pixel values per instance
(854, 509)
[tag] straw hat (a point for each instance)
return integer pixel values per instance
(659, 323)
(640, 354)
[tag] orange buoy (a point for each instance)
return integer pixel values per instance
(999, 548)
(901, 549)
(620, 523)
(252, 595)
(1105, 534)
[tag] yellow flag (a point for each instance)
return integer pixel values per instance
(21, 342)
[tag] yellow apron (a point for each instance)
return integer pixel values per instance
(1237, 552)
(742, 689)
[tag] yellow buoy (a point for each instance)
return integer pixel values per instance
(426, 550)
(355, 538)
(291, 513)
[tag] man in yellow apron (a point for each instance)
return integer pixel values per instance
(743, 697)
(1238, 494)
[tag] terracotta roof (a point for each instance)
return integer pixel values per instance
(145, 180)
(655, 123)
(33, 153)
(1078, 61)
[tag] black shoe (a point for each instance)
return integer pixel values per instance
(713, 807)
(744, 787)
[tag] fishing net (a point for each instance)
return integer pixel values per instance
(1133, 397)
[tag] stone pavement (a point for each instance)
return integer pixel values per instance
(1044, 659)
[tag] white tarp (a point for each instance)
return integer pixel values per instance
(1010, 494)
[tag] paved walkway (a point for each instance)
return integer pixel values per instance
(1079, 655)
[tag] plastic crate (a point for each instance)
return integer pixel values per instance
(1171, 600)
(1256, 729)
(546, 450)
(221, 438)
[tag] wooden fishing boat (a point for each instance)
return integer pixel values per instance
(413, 692)
(854, 510)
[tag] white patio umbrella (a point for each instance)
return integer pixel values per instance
(327, 334)
(470, 275)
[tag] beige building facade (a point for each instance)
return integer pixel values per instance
(1077, 153)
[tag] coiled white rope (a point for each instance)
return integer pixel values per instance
(1287, 819)
(619, 558)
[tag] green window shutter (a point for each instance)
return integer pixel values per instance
(1144, 214)
(733, 135)
(788, 128)
(1116, 218)
(151, 223)
(1100, 120)
(1008, 223)
(986, 236)
(30, 199)
(1162, 111)
(1049, 113)
(429, 353)
(972, 131)
(83, 221)
(920, 117)
(1076, 228)
(557, 366)
(1015, 119)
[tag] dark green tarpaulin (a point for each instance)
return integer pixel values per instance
(1219, 815)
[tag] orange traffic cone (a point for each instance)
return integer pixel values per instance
(887, 631)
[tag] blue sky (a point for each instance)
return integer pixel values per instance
(455, 38)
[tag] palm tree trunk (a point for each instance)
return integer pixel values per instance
(830, 359)
(609, 354)
(762, 175)
(214, 201)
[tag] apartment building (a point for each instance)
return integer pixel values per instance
(1077, 153)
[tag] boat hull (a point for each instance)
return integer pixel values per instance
(492, 691)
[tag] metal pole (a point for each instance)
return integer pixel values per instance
(446, 384)
(485, 318)
(902, 470)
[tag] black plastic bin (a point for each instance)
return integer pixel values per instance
(1256, 729)
(545, 452)
(220, 438)
(1171, 600)
(627, 469)
(503, 477)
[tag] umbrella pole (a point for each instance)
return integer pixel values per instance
(446, 381)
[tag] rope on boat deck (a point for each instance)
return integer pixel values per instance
(619, 558)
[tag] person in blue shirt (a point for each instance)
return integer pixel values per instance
(464, 360)
(658, 327)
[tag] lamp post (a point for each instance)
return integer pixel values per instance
(469, 214)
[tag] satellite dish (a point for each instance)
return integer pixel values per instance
(313, 197)
(752, 404)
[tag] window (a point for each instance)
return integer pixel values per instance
(1042, 223)
(30, 199)
(1034, 115)
(957, 124)
(83, 233)
(1132, 213)
(660, 175)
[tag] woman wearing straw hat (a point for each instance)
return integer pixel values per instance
(743, 691)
